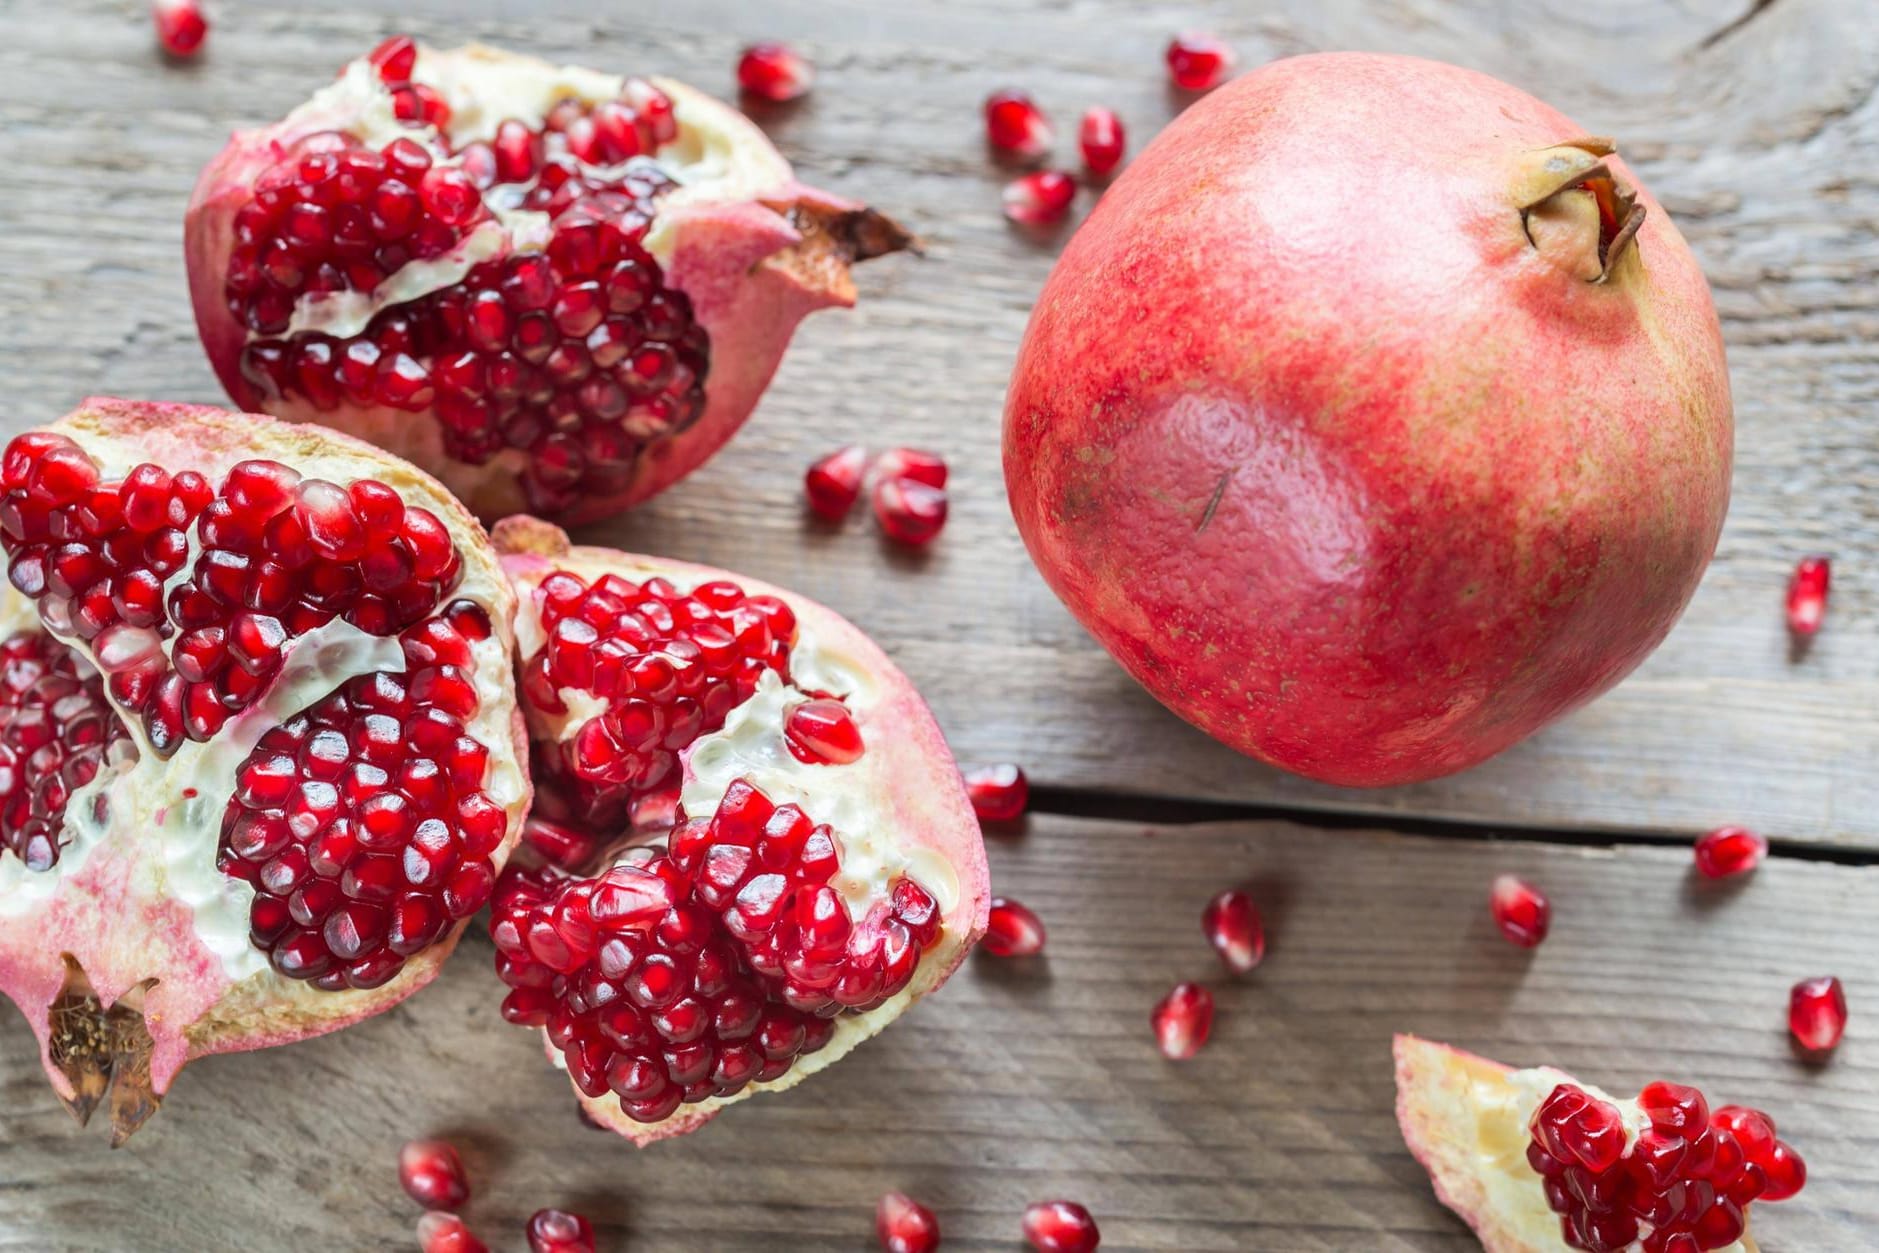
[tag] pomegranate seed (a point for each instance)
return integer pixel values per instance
(1060, 1227)
(999, 793)
(774, 72)
(1817, 1013)
(1183, 1019)
(395, 58)
(911, 463)
(446, 1233)
(181, 27)
(1040, 198)
(558, 1231)
(822, 732)
(1807, 595)
(1198, 61)
(432, 1174)
(1012, 930)
(1729, 851)
(1234, 928)
(1521, 911)
(1015, 125)
(1101, 139)
(911, 512)
(905, 1226)
(833, 484)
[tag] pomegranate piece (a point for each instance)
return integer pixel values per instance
(1101, 140)
(446, 1233)
(1040, 198)
(1520, 910)
(1235, 929)
(1817, 1013)
(1807, 595)
(775, 72)
(558, 1231)
(1015, 125)
(432, 1174)
(1198, 61)
(909, 511)
(797, 905)
(181, 27)
(911, 463)
(1729, 851)
(1012, 930)
(1060, 1227)
(833, 484)
(904, 1225)
(516, 292)
(1183, 1020)
(1000, 793)
(57, 731)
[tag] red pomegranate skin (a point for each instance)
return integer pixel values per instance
(1333, 459)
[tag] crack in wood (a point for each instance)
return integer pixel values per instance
(1755, 10)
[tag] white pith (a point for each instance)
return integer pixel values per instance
(719, 156)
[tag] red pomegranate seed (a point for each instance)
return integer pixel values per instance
(558, 1231)
(1521, 911)
(1817, 1013)
(395, 58)
(1198, 61)
(1016, 125)
(1060, 1227)
(1012, 930)
(1729, 851)
(432, 1174)
(911, 463)
(1234, 928)
(904, 1225)
(1807, 595)
(774, 72)
(1183, 1019)
(446, 1233)
(822, 732)
(563, 846)
(1040, 198)
(181, 27)
(999, 793)
(911, 512)
(1101, 139)
(833, 484)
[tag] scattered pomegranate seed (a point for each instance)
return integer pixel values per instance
(1817, 1013)
(446, 1233)
(1016, 125)
(822, 732)
(181, 27)
(911, 463)
(999, 793)
(905, 1225)
(1101, 138)
(1807, 595)
(1198, 61)
(558, 1231)
(432, 1173)
(911, 512)
(833, 484)
(1060, 1227)
(1012, 930)
(775, 72)
(1235, 929)
(1729, 851)
(1521, 911)
(1183, 1020)
(1040, 198)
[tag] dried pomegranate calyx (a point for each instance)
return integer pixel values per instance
(1575, 210)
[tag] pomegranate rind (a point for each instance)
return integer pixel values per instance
(907, 759)
(135, 944)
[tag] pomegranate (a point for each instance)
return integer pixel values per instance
(1372, 494)
(554, 288)
(823, 873)
(259, 747)
(1532, 1157)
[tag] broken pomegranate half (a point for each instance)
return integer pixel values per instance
(824, 871)
(1530, 1158)
(556, 289)
(259, 749)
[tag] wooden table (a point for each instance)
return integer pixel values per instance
(1758, 129)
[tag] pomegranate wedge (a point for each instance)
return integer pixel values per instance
(824, 872)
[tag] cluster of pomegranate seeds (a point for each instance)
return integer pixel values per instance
(1060, 1227)
(181, 27)
(1012, 930)
(1729, 851)
(1101, 140)
(904, 1225)
(1520, 910)
(999, 793)
(279, 556)
(775, 72)
(1040, 198)
(558, 1231)
(432, 1174)
(1817, 1013)
(1235, 929)
(1015, 125)
(909, 490)
(360, 821)
(1198, 61)
(439, 1232)
(1687, 1179)
(1183, 1020)
(1807, 595)
(669, 665)
(56, 729)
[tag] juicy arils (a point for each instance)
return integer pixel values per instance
(555, 288)
(258, 751)
(824, 871)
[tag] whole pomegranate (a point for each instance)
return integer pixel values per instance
(554, 288)
(1374, 418)
(758, 850)
(260, 756)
